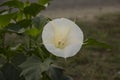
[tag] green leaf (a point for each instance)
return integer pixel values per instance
(40, 22)
(2, 76)
(15, 28)
(24, 23)
(93, 42)
(16, 47)
(56, 73)
(20, 16)
(19, 58)
(43, 2)
(14, 3)
(33, 9)
(6, 18)
(33, 32)
(2, 11)
(45, 76)
(33, 68)
(10, 72)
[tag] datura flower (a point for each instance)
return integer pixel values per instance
(62, 37)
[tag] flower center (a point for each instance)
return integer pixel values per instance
(60, 36)
(60, 39)
(60, 44)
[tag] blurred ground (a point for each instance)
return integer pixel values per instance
(81, 8)
(87, 13)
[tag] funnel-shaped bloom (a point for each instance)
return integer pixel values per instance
(62, 37)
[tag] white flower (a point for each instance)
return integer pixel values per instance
(46, 5)
(62, 37)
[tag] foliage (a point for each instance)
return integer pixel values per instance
(25, 56)
(33, 68)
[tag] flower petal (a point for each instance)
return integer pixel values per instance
(47, 34)
(56, 51)
(71, 50)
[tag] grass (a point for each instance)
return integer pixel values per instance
(94, 62)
